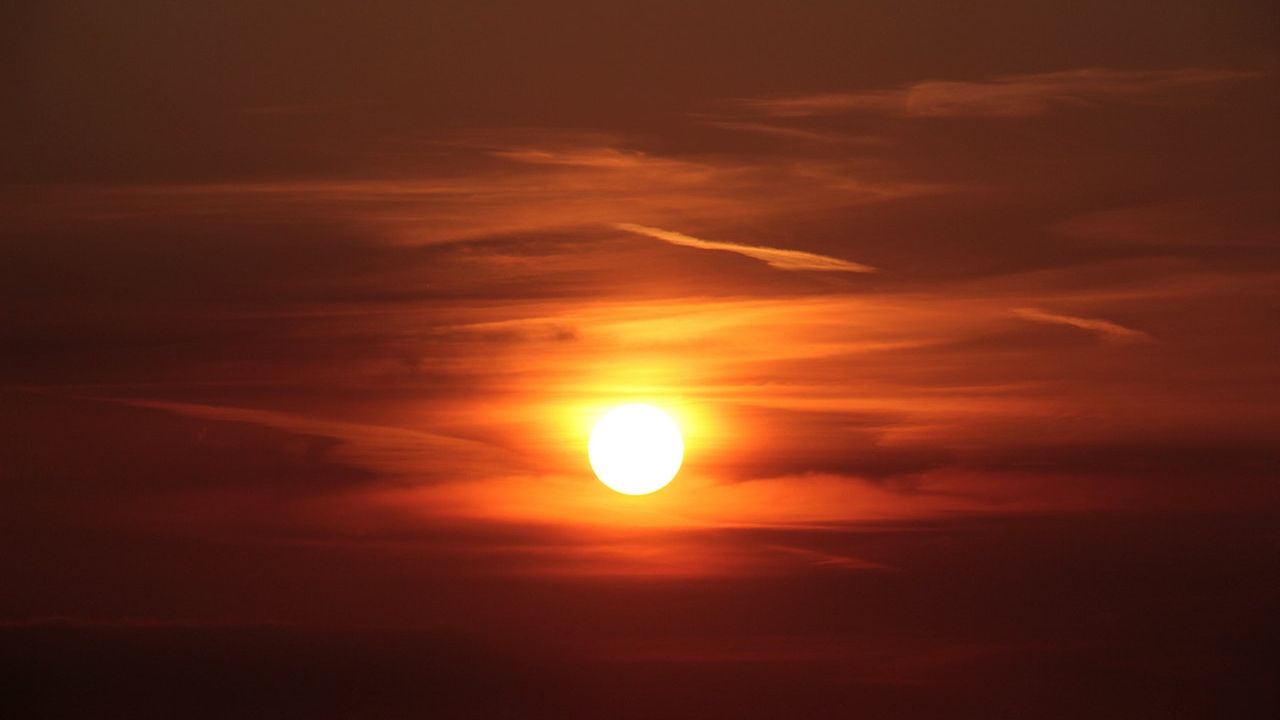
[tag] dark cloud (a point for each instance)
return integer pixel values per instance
(1047, 613)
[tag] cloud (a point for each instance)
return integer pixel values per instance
(1220, 222)
(1008, 96)
(790, 133)
(780, 258)
(817, 557)
(392, 452)
(590, 157)
(481, 191)
(1106, 328)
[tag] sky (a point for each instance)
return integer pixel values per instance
(967, 311)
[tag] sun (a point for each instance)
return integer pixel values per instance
(636, 449)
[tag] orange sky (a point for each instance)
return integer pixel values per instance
(319, 295)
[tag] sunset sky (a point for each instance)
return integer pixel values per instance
(969, 314)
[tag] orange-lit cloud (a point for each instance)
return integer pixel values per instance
(775, 257)
(1106, 328)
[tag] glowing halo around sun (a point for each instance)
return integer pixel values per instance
(636, 449)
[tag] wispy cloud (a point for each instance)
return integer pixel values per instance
(1106, 328)
(390, 451)
(591, 157)
(1009, 96)
(791, 133)
(780, 258)
(1222, 222)
(844, 562)
(493, 191)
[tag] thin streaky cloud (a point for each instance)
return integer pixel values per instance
(589, 157)
(392, 452)
(789, 133)
(529, 189)
(1008, 96)
(780, 258)
(845, 562)
(1106, 328)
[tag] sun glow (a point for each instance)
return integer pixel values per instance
(636, 449)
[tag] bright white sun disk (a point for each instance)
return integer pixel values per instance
(636, 449)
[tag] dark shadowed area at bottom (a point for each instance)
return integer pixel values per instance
(1023, 618)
